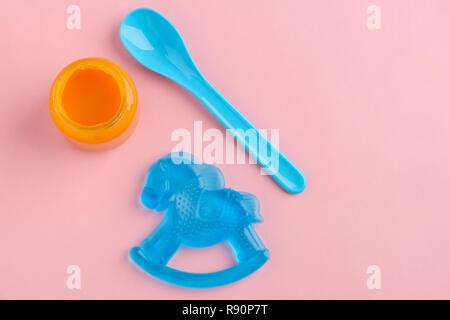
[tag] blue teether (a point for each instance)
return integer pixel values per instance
(200, 213)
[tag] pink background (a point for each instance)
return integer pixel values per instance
(365, 114)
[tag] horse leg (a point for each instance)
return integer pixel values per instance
(245, 243)
(160, 246)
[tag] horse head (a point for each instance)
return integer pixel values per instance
(164, 179)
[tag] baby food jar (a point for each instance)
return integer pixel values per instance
(93, 102)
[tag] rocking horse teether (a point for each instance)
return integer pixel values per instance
(199, 212)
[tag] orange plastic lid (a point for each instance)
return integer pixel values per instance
(93, 102)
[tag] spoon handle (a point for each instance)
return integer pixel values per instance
(269, 156)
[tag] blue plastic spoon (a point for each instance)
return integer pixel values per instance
(155, 43)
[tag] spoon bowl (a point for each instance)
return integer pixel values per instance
(154, 42)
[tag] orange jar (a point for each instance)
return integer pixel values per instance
(93, 102)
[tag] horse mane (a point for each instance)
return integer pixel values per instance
(209, 176)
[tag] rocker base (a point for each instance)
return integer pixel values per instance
(200, 280)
